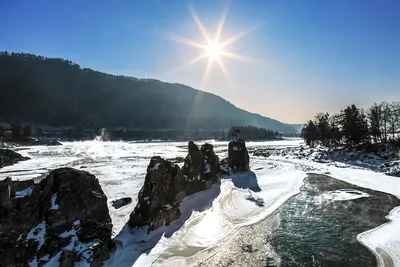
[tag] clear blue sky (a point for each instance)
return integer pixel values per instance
(310, 56)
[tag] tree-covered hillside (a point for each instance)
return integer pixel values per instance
(59, 92)
(353, 126)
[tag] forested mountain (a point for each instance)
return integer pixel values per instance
(59, 92)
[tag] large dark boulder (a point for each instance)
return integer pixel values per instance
(211, 168)
(119, 203)
(158, 200)
(193, 167)
(166, 185)
(9, 157)
(201, 167)
(238, 155)
(63, 219)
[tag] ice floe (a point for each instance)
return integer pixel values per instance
(340, 195)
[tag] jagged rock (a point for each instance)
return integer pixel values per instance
(261, 153)
(119, 203)
(52, 143)
(9, 157)
(63, 218)
(394, 173)
(36, 142)
(201, 167)
(166, 185)
(157, 201)
(40, 142)
(193, 167)
(238, 155)
(211, 168)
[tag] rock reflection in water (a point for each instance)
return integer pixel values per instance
(316, 230)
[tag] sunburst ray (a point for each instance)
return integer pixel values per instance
(207, 70)
(238, 36)
(200, 25)
(199, 92)
(236, 56)
(221, 23)
(186, 41)
(226, 74)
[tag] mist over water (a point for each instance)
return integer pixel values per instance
(319, 228)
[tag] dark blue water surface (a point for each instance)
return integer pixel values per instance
(324, 233)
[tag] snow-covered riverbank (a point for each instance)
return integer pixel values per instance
(387, 160)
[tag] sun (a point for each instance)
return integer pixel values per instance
(213, 48)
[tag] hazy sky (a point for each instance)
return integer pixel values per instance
(306, 56)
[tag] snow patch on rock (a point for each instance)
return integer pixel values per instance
(54, 206)
(156, 166)
(24, 193)
(38, 233)
(76, 246)
(236, 148)
(208, 168)
(33, 263)
(54, 261)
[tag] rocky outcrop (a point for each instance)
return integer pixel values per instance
(62, 220)
(9, 157)
(50, 143)
(201, 167)
(238, 155)
(394, 173)
(158, 201)
(166, 185)
(9, 143)
(119, 203)
(39, 142)
(261, 153)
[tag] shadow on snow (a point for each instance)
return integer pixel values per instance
(132, 243)
(245, 180)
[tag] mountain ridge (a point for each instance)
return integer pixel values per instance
(55, 91)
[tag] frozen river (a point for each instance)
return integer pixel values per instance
(210, 218)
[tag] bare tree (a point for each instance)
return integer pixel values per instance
(374, 117)
(385, 119)
(394, 119)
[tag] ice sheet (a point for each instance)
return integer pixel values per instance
(384, 240)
